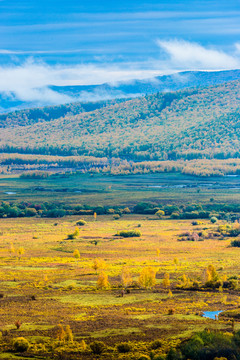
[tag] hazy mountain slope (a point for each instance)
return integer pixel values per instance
(10, 101)
(48, 113)
(184, 124)
(172, 82)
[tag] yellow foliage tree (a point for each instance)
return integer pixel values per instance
(126, 277)
(20, 252)
(166, 281)
(11, 249)
(60, 333)
(102, 282)
(160, 213)
(176, 261)
(68, 334)
(76, 254)
(147, 278)
(76, 232)
(64, 334)
(224, 278)
(98, 264)
(210, 274)
(83, 345)
(184, 280)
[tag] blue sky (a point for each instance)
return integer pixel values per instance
(72, 32)
(62, 42)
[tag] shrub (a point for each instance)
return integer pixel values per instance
(175, 215)
(124, 347)
(130, 233)
(18, 324)
(213, 219)
(126, 210)
(29, 212)
(233, 284)
(235, 243)
(174, 355)
(193, 346)
(97, 347)
(81, 222)
(55, 213)
(74, 235)
(156, 344)
(196, 222)
(160, 213)
(171, 311)
(143, 357)
(21, 344)
(116, 216)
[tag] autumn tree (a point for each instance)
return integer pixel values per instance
(68, 334)
(11, 249)
(147, 278)
(60, 333)
(76, 254)
(160, 213)
(210, 274)
(166, 280)
(20, 252)
(102, 282)
(75, 234)
(98, 264)
(126, 277)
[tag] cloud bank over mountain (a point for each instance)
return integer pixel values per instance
(30, 81)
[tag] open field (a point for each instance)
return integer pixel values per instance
(47, 285)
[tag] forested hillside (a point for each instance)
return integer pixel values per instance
(188, 124)
(48, 113)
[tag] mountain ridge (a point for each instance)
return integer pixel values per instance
(153, 127)
(10, 101)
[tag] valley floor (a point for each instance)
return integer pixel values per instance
(45, 284)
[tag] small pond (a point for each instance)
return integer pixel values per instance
(211, 314)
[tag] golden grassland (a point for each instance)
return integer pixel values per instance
(46, 285)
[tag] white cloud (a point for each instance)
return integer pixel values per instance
(35, 74)
(29, 81)
(237, 47)
(192, 56)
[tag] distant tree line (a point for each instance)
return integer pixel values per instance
(115, 166)
(192, 211)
